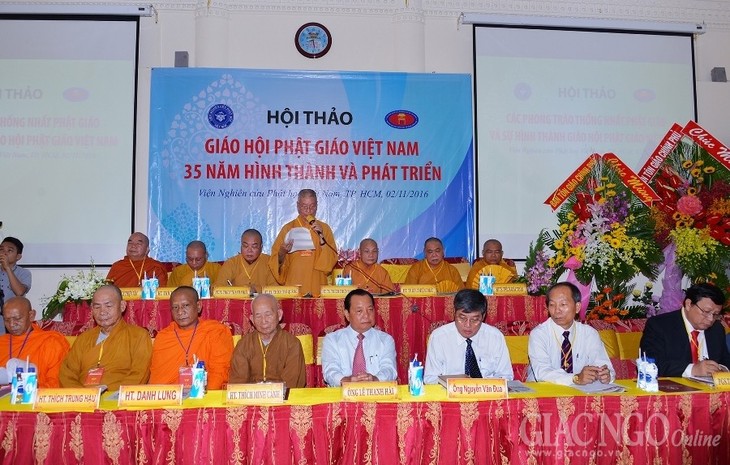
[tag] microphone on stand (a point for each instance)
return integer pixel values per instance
(311, 220)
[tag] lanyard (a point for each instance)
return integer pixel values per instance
(264, 351)
(101, 352)
(22, 346)
(141, 269)
(187, 351)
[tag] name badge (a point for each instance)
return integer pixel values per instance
(77, 399)
(93, 376)
(722, 380)
(152, 395)
(476, 388)
(255, 394)
(185, 376)
(369, 391)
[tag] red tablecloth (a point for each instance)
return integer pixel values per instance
(408, 320)
(625, 429)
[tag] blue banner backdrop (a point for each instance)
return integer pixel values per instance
(389, 154)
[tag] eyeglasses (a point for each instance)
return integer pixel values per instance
(709, 313)
(468, 321)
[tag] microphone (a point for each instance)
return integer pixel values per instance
(311, 220)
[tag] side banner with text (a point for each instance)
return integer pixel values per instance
(389, 154)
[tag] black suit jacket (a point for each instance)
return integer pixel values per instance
(665, 339)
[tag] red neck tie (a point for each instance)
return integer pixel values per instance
(358, 362)
(694, 346)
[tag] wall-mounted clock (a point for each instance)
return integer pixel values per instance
(313, 40)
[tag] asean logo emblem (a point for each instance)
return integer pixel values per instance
(220, 116)
(401, 119)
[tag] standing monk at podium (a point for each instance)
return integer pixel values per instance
(129, 271)
(304, 252)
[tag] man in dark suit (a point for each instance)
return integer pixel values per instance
(691, 341)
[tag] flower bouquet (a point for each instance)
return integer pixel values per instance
(605, 235)
(693, 217)
(77, 288)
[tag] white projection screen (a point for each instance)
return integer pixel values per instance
(547, 98)
(67, 135)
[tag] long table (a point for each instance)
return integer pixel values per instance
(408, 320)
(553, 425)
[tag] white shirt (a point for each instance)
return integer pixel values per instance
(702, 345)
(446, 351)
(544, 349)
(338, 352)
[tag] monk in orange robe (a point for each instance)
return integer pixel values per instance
(250, 267)
(189, 338)
(434, 270)
(113, 353)
(492, 263)
(308, 261)
(196, 264)
(129, 271)
(366, 272)
(25, 339)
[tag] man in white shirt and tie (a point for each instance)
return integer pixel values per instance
(358, 352)
(565, 351)
(467, 345)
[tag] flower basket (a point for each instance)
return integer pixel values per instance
(77, 288)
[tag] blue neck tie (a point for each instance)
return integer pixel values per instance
(471, 367)
(566, 354)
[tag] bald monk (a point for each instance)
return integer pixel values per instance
(113, 353)
(492, 263)
(434, 270)
(269, 353)
(188, 336)
(250, 267)
(25, 339)
(196, 264)
(309, 265)
(366, 272)
(129, 271)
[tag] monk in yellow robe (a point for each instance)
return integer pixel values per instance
(188, 338)
(25, 339)
(196, 264)
(304, 253)
(269, 353)
(367, 273)
(113, 353)
(504, 271)
(129, 271)
(434, 270)
(250, 267)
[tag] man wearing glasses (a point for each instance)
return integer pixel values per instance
(467, 345)
(691, 341)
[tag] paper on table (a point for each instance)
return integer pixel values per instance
(517, 387)
(302, 239)
(598, 387)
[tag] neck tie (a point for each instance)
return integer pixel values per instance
(471, 367)
(566, 353)
(695, 346)
(358, 362)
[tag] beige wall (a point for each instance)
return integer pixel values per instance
(382, 35)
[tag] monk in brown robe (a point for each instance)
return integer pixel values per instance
(504, 271)
(308, 261)
(188, 337)
(434, 270)
(250, 267)
(269, 353)
(196, 264)
(113, 353)
(129, 271)
(366, 272)
(25, 339)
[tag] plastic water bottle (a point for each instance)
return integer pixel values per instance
(16, 388)
(641, 373)
(650, 376)
(415, 377)
(30, 386)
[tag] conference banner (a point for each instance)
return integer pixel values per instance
(389, 155)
